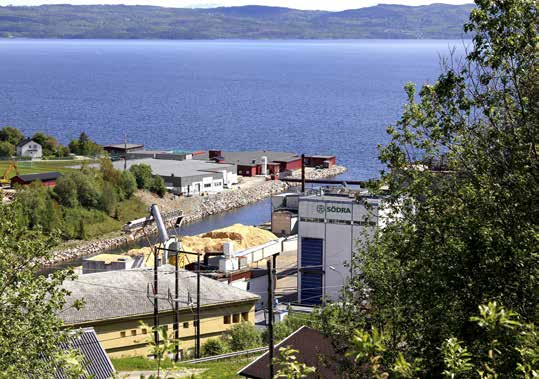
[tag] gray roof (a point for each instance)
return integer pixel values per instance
(185, 168)
(52, 175)
(247, 157)
(123, 146)
(95, 359)
(25, 141)
(123, 293)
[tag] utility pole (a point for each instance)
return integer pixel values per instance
(270, 315)
(302, 176)
(176, 300)
(197, 351)
(125, 151)
(155, 292)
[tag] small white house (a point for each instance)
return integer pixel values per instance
(29, 148)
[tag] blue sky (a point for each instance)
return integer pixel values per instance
(333, 5)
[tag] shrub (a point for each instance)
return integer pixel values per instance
(244, 336)
(214, 346)
(128, 184)
(6, 149)
(66, 191)
(158, 186)
(143, 175)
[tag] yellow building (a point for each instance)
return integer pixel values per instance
(117, 301)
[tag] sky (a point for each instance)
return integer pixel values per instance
(331, 5)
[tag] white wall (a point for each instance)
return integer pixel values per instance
(331, 220)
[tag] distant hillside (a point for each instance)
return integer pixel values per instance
(247, 22)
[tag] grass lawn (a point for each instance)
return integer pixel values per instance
(35, 167)
(221, 369)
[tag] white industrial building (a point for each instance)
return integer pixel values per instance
(189, 177)
(329, 229)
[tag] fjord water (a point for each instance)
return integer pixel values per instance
(316, 97)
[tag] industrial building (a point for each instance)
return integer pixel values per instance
(329, 228)
(190, 176)
(116, 302)
(252, 163)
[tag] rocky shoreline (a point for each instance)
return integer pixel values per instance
(197, 208)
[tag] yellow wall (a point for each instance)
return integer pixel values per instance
(126, 337)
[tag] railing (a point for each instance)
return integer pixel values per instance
(227, 355)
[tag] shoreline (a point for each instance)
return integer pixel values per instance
(195, 208)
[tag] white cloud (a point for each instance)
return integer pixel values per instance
(299, 4)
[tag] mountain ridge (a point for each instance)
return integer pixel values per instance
(435, 21)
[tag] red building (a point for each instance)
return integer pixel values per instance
(48, 179)
(250, 163)
(325, 161)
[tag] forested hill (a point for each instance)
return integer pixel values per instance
(247, 22)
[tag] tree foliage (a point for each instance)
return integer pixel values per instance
(7, 150)
(85, 146)
(244, 336)
(463, 191)
(11, 135)
(143, 175)
(29, 327)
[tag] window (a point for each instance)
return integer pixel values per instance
(226, 319)
(245, 316)
(341, 222)
(144, 331)
(236, 318)
(217, 184)
(134, 332)
(207, 185)
(311, 219)
(122, 334)
(185, 325)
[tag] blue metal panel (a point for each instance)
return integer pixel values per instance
(311, 252)
(311, 288)
(311, 278)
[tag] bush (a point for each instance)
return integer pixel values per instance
(158, 186)
(128, 184)
(214, 346)
(66, 191)
(7, 150)
(11, 135)
(244, 336)
(290, 324)
(109, 198)
(143, 175)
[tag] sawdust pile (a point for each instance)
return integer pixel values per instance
(243, 237)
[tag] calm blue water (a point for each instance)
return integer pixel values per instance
(323, 97)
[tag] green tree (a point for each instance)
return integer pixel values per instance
(128, 184)
(38, 208)
(109, 198)
(143, 175)
(11, 135)
(463, 192)
(158, 186)
(7, 150)
(85, 146)
(29, 303)
(244, 336)
(66, 191)
(49, 144)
